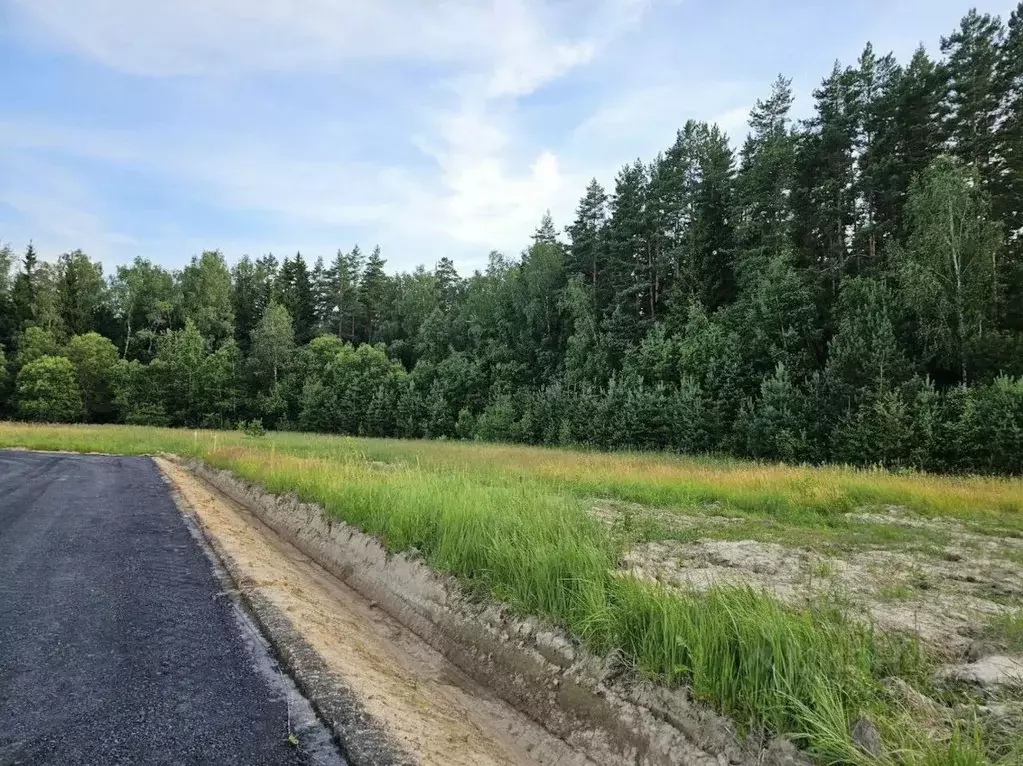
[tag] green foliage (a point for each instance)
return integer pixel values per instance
(821, 291)
(497, 423)
(865, 351)
(465, 426)
(992, 425)
(338, 399)
(80, 289)
(774, 425)
(273, 344)
(47, 390)
(143, 296)
(95, 359)
(948, 272)
(206, 295)
(35, 343)
(253, 428)
(5, 377)
(294, 291)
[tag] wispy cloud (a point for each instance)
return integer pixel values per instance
(478, 181)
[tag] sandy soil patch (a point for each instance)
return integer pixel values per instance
(945, 598)
(427, 705)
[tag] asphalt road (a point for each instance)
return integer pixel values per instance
(114, 646)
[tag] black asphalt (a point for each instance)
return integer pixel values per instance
(114, 645)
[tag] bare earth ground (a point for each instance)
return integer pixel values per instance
(947, 589)
(429, 707)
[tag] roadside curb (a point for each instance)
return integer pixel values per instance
(362, 740)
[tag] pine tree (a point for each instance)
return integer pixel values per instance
(447, 282)
(824, 202)
(865, 353)
(630, 270)
(973, 102)
(674, 182)
(713, 235)
(874, 90)
(1008, 190)
(764, 184)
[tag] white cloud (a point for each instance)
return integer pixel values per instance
(486, 180)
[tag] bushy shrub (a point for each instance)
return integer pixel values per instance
(47, 389)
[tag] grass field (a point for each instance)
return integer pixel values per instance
(518, 523)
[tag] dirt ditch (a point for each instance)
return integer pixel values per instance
(434, 712)
(451, 681)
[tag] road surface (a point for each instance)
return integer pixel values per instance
(115, 646)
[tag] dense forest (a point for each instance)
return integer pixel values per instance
(848, 287)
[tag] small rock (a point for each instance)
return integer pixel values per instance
(974, 651)
(866, 736)
(994, 670)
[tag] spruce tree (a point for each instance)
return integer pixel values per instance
(372, 295)
(24, 294)
(586, 253)
(545, 232)
(295, 291)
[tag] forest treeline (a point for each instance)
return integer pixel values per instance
(847, 287)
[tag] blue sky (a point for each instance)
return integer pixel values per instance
(431, 127)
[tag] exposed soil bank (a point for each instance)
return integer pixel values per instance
(431, 708)
(406, 703)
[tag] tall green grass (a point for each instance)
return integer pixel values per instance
(809, 673)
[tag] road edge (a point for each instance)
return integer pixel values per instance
(361, 739)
